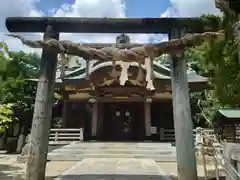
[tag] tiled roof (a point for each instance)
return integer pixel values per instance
(230, 113)
(160, 71)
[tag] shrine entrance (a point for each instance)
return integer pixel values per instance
(174, 27)
(123, 122)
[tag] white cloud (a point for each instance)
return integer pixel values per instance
(80, 8)
(187, 8)
(191, 8)
(92, 8)
(96, 8)
(17, 8)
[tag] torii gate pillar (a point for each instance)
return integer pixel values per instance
(38, 147)
(186, 158)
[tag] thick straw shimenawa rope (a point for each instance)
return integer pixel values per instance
(105, 54)
(135, 54)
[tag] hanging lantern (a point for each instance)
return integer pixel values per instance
(122, 39)
(149, 100)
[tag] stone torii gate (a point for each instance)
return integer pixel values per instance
(51, 27)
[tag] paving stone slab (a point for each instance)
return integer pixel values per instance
(115, 169)
(119, 144)
(78, 157)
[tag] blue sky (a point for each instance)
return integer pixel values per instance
(134, 8)
(146, 8)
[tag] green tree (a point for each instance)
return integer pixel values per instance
(6, 116)
(3, 63)
(219, 60)
(20, 68)
(15, 89)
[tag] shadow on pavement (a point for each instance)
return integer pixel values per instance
(6, 172)
(9, 172)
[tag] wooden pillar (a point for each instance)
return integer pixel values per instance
(3, 140)
(38, 145)
(186, 159)
(100, 120)
(94, 119)
(64, 114)
(237, 31)
(147, 108)
(21, 139)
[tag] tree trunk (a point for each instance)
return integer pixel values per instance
(38, 147)
(238, 36)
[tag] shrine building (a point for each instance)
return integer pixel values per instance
(108, 111)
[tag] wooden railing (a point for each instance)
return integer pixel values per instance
(169, 134)
(207, 143)
(210, 146)
(77, 134)
(58, 135)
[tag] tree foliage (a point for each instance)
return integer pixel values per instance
(219, 60)
(15, 89)
(6, 116)
(20, 67)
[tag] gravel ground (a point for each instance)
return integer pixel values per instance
(171, 169)
(12, 170)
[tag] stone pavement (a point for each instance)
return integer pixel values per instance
(115, 169)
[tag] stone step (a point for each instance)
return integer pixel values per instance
(77, 151)
(79, 157)
(99, 148)
(120, 145)
(112, 151)
(115, 147)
